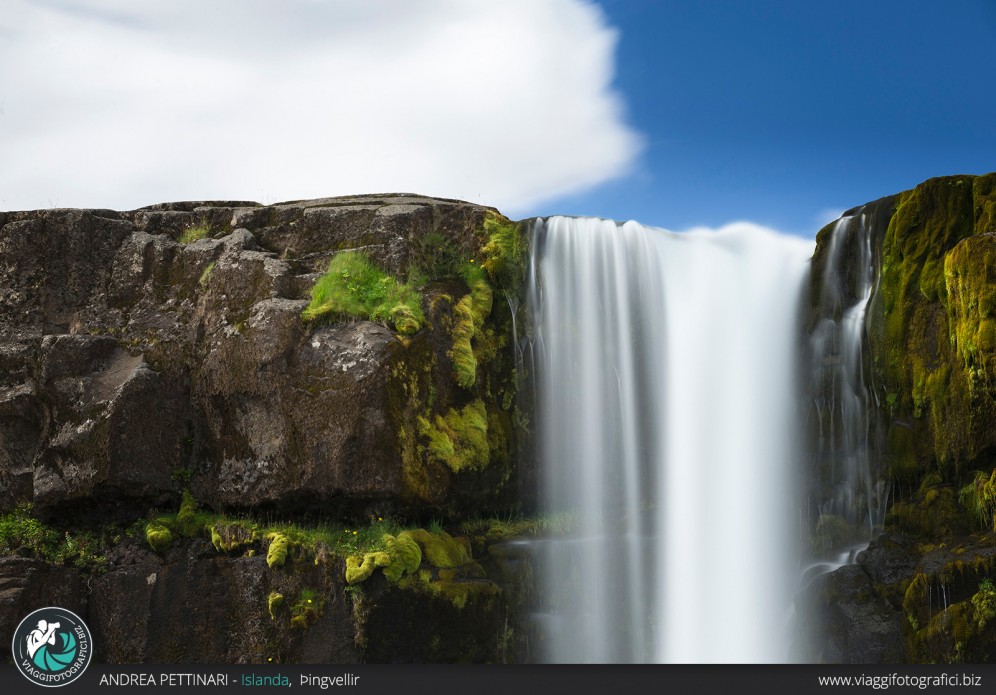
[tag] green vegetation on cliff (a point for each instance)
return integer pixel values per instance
(195, 233)
(430, 562)
(460, 438)
(469, 315)
(22, 533)
(504, 252)
(354, 286)
(937, 351)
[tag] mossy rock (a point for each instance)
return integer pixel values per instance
(159, 537)
(441, 549)
(963, 632)
(460, 438)
(469, 316)
(274, 602)
(405, 553)
(505, 251)
(189, 520)
(229, 537)
(933, 512)
(276, 554)
(970, 275)
(360, 567)
(935, 345)
(460, 592)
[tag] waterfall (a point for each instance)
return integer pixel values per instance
(847, 486)
(667, 412)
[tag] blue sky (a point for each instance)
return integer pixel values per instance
(676, 113)
(779, 111)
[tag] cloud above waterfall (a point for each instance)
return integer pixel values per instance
(115, 103)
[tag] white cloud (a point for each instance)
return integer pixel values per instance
(113, 103)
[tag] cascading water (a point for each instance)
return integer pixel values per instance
(847, 486)
(667, 409)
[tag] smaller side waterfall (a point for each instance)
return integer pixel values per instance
(846, 483)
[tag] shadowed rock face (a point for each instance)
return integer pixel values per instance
(133, 365)
(925, 585)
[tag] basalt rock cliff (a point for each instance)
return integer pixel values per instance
(188, 457)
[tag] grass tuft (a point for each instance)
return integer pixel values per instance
(354, 286)
(195, 233)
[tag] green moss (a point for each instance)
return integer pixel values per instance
(979, 499)
(460, 438)
(306, 610)
(971, 284)
(158, 537)
(901, 455)
(405, 550)
(23, 534)
(915, 601)
(504, 528)
(984, 603)
(402, 556)
(191, 520)
(462, 353)
(441, 549)
(359, 568)
(505, 252)
(460, 592)
(195, 233)
(937, 347)
(960, 632)
(984, 199)
(229, 537)
(276, 554)
(206, 275)
(436, 256)
(274, 602)
(933, 512)
(469, 316)
(354, 286)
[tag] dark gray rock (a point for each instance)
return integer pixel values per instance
(132, 364)
(844, 621)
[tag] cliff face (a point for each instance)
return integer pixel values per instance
(209, 458)
(931, 339)
(137, 361)
(176, 353)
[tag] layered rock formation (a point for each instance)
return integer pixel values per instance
(135, 364)
(148, 353)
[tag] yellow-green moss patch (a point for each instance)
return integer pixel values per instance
(276, 554)
(158, 537)
(971, 287)
(460, 438)
(469, 316)
(505, 251)
(354, 286)
(360, 567)
(274, 602)
(441, 549)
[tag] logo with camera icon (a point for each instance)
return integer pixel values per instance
(52, 647)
